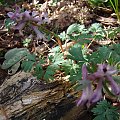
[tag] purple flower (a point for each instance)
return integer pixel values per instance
(38, 33)
(87, 91)
(85, 98)
(20, 26)
(44, 17)
(26, 15)
(97, 94)
(16, 15)
(21, 18)
(114, 86)
(104, 72)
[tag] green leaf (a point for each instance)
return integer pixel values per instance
(14, 68)
(58, 58)
(75, 28)
(111, 114)
(99, 117)
(39, 72)
(50, 71)
(26, 42)
(75, 74)
(112, 32)
(95, 27)
(116, 48)
(76, 53)
(27, 65)
(67, 66)
(11, 53)
(99, 36)
(104, 52)
(73, 37)
(13, 56)
(85, 36)
(8, 23)
(31, 57)
(106, 111)
(62, 36)
(55, 50)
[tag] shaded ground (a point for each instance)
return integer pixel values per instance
(61, 16)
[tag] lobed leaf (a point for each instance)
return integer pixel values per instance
(75, 28)
(27, 65)
(76, 53)
(14, 56)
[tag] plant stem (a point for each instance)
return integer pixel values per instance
(115, 7)
(52, 33)
(107, 90)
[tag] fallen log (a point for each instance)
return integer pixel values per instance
(23, 97)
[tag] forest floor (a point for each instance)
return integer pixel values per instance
(58, 101)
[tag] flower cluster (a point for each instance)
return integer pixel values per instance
(104, 72)
(22, 18)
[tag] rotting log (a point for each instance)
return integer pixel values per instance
(23, 97)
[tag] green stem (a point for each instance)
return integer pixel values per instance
(107, 90)
(115, 7)
(42, 28)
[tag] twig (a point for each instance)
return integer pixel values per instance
(57, 38)
(1, 39)
(90, 43)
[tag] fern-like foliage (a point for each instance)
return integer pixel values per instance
(78, 54)
(105, 111)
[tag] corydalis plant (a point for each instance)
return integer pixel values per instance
(103, 73)
(28, 16)
(105, 111)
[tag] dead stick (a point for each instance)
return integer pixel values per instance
(52, 33)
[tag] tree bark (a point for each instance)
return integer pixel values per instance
(23, 97)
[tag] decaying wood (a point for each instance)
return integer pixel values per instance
(23, 97)
(107, 21)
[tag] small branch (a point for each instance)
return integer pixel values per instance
(90, 43)
(57, 38)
